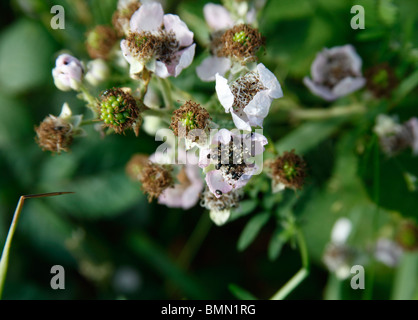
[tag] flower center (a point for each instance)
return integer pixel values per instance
(146, 45)
(381, 78)
(189, 116)
(240, 37)
(241, 43)
(230, 159)
(244, 89)
(226, 201)
(336, 69)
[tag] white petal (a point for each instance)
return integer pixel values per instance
(216, 182)
(186, 58)
(223, 136)
(318, 66)
(341, 230)
(256, 121)
(259, 106)
(149, 17)
(65, 111)
(241, 122)
(319, 90)
(270, 81)
(212, 65)
(352, 55)
(217, 17)
(348, 85)
(161, 70)
(203, 157)
(277, 187)
(220, 217)
(173, 23)
(225, 95)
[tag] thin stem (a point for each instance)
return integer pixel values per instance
(195, 241)
(88, 122)
(290, 285)
(6, 250)
(300, 275)
(163, 114)
(146, 78)
(368, 294)
(89, 98)
(166, 92)
(319, 114)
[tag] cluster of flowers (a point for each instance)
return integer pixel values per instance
(155, 45)
(339, 255)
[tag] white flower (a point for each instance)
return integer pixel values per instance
(160, 42)
(249, 98)
(388, 252)
(335, 72)
(338, 256)
(220, 207)
(395, 137)
(186, 193)
(68, 73)
(226, 160)
(219, 19)
(97, 72)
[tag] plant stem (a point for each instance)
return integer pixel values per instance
(300, 275)
(319, 114)
(195, 241)
(290, 285)
(166, 92)
(6, 250)
(88, 97)
(163, 114)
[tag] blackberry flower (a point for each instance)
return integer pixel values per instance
(191, 121)
(227, 160)
(249, 97)
(160, 42)
(220, 207)
(335, 72)
(288, 171)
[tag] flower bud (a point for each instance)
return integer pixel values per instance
(68, 73)
(100, 41)
(97, 72)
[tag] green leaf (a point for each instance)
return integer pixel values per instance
(388, 11)
(308, 135)
(406, 278)
(241, 293)
(252, 229)
(406, 86)
(277, 241)
(25, 57)
(245, 207)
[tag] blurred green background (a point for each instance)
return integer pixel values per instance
(113, 244)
